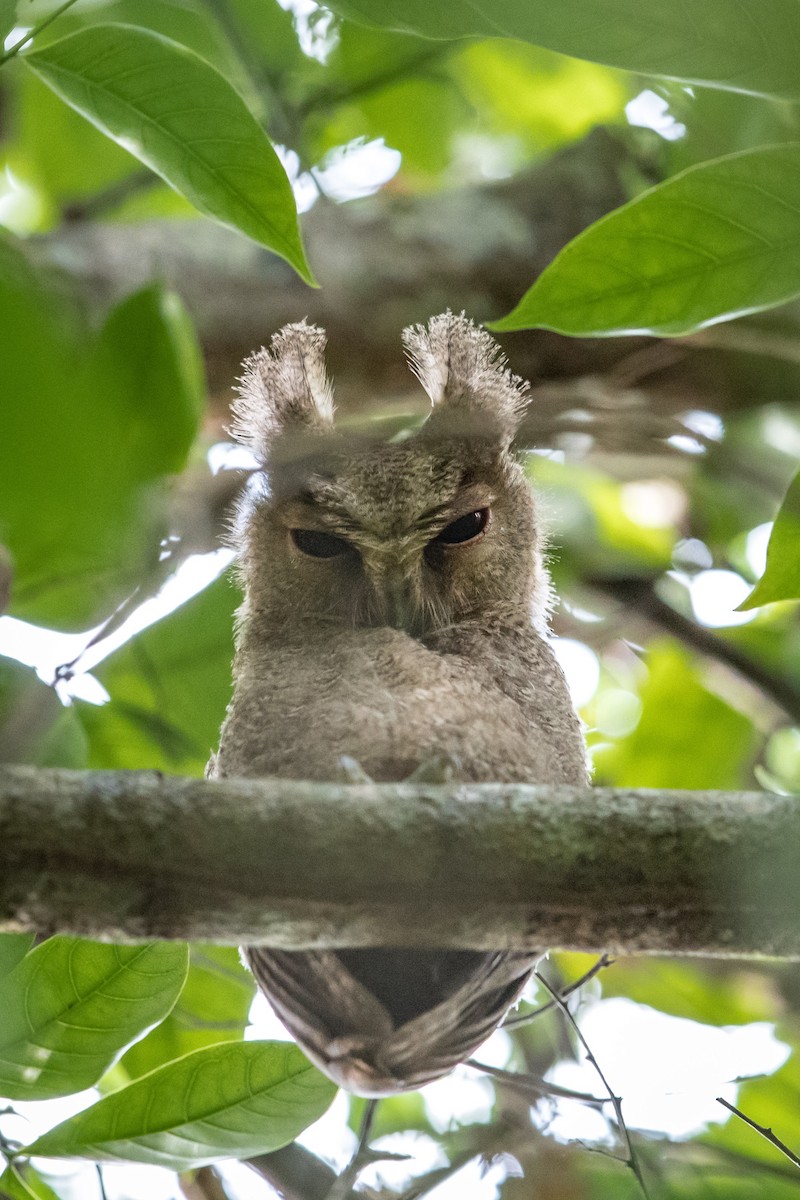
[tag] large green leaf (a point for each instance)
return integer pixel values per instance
(719, 42)
(719, 240)
(8, 16)
(212, 1008)
(169, 687)
(781, 578)
(91, 423)
(182, 118)
(229, 1101)
(70, 1006)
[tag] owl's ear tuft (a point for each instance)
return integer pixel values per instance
(284, 389)
(465, 374)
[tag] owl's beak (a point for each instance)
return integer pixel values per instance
(401, 609)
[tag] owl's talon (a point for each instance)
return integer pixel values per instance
(439, 768)
(351, 771)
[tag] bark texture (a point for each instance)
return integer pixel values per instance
(130, 855)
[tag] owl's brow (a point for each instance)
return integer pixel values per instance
(465, 499)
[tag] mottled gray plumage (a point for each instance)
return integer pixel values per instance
(398, 648)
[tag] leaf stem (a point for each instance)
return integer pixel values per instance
(32, 33)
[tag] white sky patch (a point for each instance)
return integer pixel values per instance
(653, 503)
(424, 1155)
(315, 27)
(16, 35)
(782, 432)
(756, 547)
(691, 553)
(460, 1098)
(668, 1070)
(707, 424)
(686, 444)
(475, 1181)
(651, 111)
(581, 666)
(715, 595)
(20, 204)
(242, 1183)
(357, 169)
(47, 649)
(228, 456)
(331, 1137)
(263, 1025)
(306, 192)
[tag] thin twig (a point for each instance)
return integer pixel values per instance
(764, 1130)
(528, 1082)
(101, 1182)
(632, 1160)
(515, 1022)
(31, 34)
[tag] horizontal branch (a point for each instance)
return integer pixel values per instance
(129, 855)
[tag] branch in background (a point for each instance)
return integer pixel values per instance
(296, 1173)
(204, 1184)
(639, 595)
(136, 855)
(764, 1130)
(383, 262)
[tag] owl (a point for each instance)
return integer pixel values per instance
(395, 617)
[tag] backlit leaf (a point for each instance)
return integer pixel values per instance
(781, 578)
(182, 118)
(717, 241)
(724, 43)
(71, 1006)
(228, 1101)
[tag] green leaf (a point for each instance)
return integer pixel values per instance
(92, 423)
(720, 44)
(213, 1007)
(229, 1101)
(781, 578)
(70, 1006)
(149, 341)
(180, 117)
(717, 241)
(8, 18)
(23, 1183)
(169, 688)
(13, 948)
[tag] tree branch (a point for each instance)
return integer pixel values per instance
(129, 855)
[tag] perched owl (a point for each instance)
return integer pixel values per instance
(395, 611)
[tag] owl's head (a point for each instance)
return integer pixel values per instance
(420, 533)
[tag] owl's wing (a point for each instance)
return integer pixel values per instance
(318, 1001)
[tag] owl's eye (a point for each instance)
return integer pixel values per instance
(317, 544)
(465, 529)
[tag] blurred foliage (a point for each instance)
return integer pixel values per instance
(103, 408)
